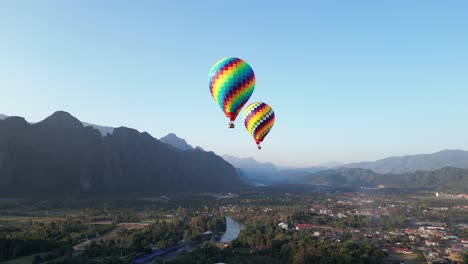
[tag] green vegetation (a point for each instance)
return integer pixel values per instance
(447, 179)
(344, 226)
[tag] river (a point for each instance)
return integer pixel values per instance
(233, 229)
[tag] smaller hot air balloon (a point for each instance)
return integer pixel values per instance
(232, 82)
(258, 119)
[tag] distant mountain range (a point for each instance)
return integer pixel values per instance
(421, 162)
(248, 169)
(261, 172)
(60, 156)
(428, 165)
(444, 179)
(104, 130)
(176, 142)
(267, 173)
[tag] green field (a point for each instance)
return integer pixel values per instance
(12, 220)
(29, 259)
(408, 259)
(23, 260)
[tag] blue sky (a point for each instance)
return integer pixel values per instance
(348, 80)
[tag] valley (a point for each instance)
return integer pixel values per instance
(274, 219)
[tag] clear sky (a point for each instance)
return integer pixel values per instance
(348, 80)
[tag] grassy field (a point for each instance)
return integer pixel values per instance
(150, 221)
(19, 220)
(407, 259)
(28, 259)
(23, 260)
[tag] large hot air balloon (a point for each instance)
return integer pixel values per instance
(232, 82)
(258, 119)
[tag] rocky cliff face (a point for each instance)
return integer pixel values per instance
(61, 157)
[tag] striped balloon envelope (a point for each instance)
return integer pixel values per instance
(232, 82)
(258, 119)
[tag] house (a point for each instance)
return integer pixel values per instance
(323, 211)
(430, 242)
(304, 226)
(340, 215)
(435, 228)
(283, 225)
(402, 251)
(456, 257)
(409, 231)
(207, 235)
(457, 248)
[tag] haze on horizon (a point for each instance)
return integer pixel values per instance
(349, 81)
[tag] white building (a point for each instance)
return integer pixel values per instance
(283, 225)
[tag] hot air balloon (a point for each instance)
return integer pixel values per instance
(258, 119)
(232, 82)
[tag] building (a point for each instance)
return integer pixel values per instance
(207, 235)
(283, 225)
(304, 226)
(402, 251)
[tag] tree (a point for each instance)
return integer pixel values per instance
(37, 259)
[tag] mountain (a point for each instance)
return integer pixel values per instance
(60, 156)
(343, 176)
(265, 172)
(199, 148)
(445, 179)
(175, 141)
(297, 174)
(425, 162)
(104, 130)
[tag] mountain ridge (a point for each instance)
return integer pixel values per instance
(59, 155)
(410, 163)
(175, 141)
(104, 130)
(447, 178)
(264, 172)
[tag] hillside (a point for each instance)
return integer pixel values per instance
(411, 163)
(59, 156)
(179, 143)
(263, 172)
(446, 179)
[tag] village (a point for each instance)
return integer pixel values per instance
(375, 226)
(432, 228)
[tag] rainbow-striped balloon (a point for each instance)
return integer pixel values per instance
(258, 119)
(232, 82)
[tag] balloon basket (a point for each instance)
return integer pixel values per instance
(231, 125)
(259, 147)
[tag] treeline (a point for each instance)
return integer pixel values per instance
(271, 244)
(36, 237)
(448, 179)
(130, 244)
(13, 248)
(167, 233)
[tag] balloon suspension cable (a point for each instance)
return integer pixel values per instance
(231, 124)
